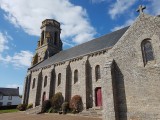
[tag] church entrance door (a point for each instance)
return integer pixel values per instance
(98, 96)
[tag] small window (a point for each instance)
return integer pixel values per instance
(97, 72)
(45, 81)
(9, 104)
(9, 97)
(59, 79)
(1, 103)
(33, 85)
(1, 97)
(75, 76)
(147, 51)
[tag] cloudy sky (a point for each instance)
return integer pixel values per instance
(81, 20)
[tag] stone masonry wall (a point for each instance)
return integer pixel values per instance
(141, 83)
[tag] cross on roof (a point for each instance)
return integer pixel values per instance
(141, 8)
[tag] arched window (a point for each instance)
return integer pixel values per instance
(42, 38)
(59, 79)
(147, 51)
(75, 76)
(97, 72)
(33, 85)
(45, 81)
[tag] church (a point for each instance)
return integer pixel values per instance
(118, 72)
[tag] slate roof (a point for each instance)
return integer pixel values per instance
(104, 42)
(9, 91)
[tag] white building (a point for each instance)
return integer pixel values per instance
(9, 96)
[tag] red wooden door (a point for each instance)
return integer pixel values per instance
(98, 97)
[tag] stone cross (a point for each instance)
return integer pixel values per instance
(141, 8)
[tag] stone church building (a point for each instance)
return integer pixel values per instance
(119, 72)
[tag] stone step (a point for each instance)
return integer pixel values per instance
(96, 108)
(93, 112)
(35, 110)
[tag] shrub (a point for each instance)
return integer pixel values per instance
(52, 110)
(29, 106)
(57, 101)
(65, 107)
(45, 106)
(76, 104)
(22, 107)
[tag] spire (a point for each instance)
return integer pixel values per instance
(140, 9)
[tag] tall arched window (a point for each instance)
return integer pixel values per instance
(33, 84)
(45, 81)
(147, 51)
(97, 72)
(75, 76)
(59, 79)
(42, 38)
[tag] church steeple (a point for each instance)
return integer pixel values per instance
(50, 42)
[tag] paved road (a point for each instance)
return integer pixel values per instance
(23, 116)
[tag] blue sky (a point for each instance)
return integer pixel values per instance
(81, 20)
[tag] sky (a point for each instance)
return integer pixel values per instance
(81, 21)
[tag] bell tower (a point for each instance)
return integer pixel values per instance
(49, 42)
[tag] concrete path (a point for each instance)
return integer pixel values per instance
(51, 116)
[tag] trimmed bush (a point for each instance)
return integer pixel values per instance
(76, 104)
(65, 107)
(57, 101)
(45, 106)
(29, 106)
(22, 107)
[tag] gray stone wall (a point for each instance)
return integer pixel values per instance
(33, 91)
(85, 87)
(139, 83)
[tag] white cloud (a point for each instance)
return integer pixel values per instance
(119, 7)
(127, 23)
(18, 60)
(15, 86)
(29, 14)
(3, 42)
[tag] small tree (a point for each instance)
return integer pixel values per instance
(57, 101)
(76, 103)
(22, 107)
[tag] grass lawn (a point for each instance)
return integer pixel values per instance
(8, 111)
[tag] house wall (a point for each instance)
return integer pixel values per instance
(14, 101)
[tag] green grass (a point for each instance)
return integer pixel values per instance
(8, 111)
